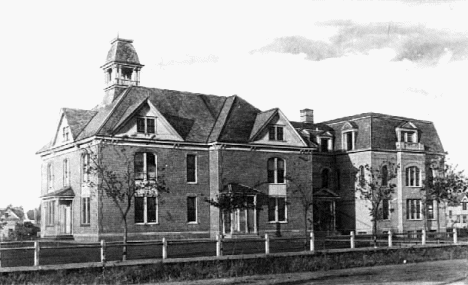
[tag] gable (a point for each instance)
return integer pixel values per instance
(407, 125)
(290, 135)
(163, 130)
(63, 135)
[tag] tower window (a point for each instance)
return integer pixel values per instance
(127, 73)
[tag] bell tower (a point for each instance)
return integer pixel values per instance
(121, 70)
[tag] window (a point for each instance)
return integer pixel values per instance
(277, 209)
(430, 209)
(275, 133)
(191, 168)
(413, 209)
(50, 213)
(450, 214)
(191, 209)
(324, 144)
(146, 125)
(385, 209)
(146, 209)
(384, 175)
(145, 166)
(276, 170)
(85, 212)
(50, 176)
(464, 206)
(464, 219)
(66, 133)
(86, 168)
(66, 172)
(408, 136)
(349, 140)
(412, 176)
(325, 178)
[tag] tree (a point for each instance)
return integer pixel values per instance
(120, 184)
(374, 185)
(305, 196)
(443, 184)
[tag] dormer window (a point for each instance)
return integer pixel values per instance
(66, 134)
(349, 140)
(325, 144)
(348, 135)
(408, 136)
(146, 125)
(275, 133)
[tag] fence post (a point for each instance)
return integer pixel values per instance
(219, 245)
(164, 248)
(312, 241)
(423, 237)
(36, 253)
(390, 241)
(455, 236)
(267, 244)
(103, 251)
(352, 239)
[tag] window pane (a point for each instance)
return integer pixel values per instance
(139, 210)
(349, 141)
(385, 209)
(191, 209)
(150, 126)
(272, 133)
(151, 165)
(151, 209)
(416, 177)
(271, 209)
(384, 175)
(279, 133)
(140, 125)
(271, 176)
(324, 145)
(191, 168)
(139, 172)
(281, 209)
(280, 176)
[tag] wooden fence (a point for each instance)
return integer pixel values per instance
(389, 240)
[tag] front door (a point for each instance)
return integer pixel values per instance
(241, 221)
(65, 218)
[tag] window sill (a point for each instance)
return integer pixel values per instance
(278, 222)
(414, 220)
(192, 223)
(85, 225)
(146, 224)
(192, 183)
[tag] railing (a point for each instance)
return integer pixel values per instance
(409, 146)
(38, 253)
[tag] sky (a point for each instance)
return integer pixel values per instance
(339, 58)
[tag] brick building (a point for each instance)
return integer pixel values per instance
(202, 144)
(205, 145)
(346, 145)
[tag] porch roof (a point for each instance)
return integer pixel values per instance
(325, 193)
(65, 192)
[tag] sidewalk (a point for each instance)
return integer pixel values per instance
(452, 272)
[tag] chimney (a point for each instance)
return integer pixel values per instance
(307, 116)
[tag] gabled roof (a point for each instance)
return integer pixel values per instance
(77, 119)
(261, 121)
(325, 193)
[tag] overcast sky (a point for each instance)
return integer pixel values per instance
(405, 58)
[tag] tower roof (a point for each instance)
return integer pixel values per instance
(122, 51)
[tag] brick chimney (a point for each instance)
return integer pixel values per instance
(307, 116)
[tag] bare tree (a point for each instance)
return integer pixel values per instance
(443, 184)
(373, 184)
(121, 186)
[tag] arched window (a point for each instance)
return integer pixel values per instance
(384, 175)
(276, 170)
(413, 176)
(325, 177)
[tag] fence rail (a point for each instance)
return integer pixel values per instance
(43, 253)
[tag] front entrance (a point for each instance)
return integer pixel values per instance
(241, 221)
(65, 218)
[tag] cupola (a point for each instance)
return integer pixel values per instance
(122, 69)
